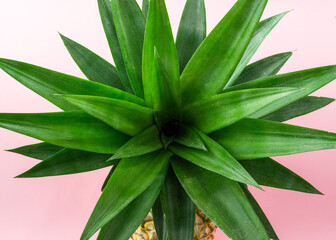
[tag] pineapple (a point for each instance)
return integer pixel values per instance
(186, 126)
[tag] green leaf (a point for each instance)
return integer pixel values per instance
(301, 107)
(126, 117)
(130, 27)
(260, 138)
(130, 179)
(263, 68)
(38, 151)
(47, 83)
(227, 207)
(158, 35)
(263, 29)
(73, 129)
(68, 161)
(268, 227)
(178, 208)
(216, 159)
(269, 173)
(164, 93)
(145, 142)
(216, 59)
(106, 15)
(308, 80)
(189, 138)
(123, 225)
(94, 67)
(109, 176)
(225, 109)
(159, 220)
(145, 7)
(191, 32)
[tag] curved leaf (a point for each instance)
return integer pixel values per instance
(68, 161)
(145, 142)
(216, 59)
(189, 138)
(269, 173)
(73, 129)
(191, 32)
(126, 117)
(130, 27)
(263, 68)
(94, 67)
(38, 151)
(227, 207)
(227, 108)
(261, 32)
(178, 208)
(106, 15)
(124, 187)
(260, 138)
(158, 35)
(47, 83)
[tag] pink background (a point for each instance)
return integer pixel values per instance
(58, 207)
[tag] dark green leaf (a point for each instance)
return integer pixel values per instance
(191, 32)
(130, 179)
(225, 109)
(269, 173)
(106, 15)
(178, 208)
(130, 27)
(126, 117)
(189, 138)
(145, 7)
(268, 227)
(109, 176)
(301, 107)
(158, 35)
(159, 220)
(221, 199)
(73, 129)
(260, 138)
(123, 225)
(68, 161)
(94, 67)
(38, 151)
(47, 83)
(145, 142)
(216, 159)
(216, 59)
(263, 68)
(308, 80)
(263, 29)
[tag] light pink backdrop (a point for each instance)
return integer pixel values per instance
(58, 207)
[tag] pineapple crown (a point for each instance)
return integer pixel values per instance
(184, 123)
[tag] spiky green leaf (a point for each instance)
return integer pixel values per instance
(130, 179)
(216, 159)
(263, 29)
(189, 138)
(47, 83)
(260, 138)
(145, 7)
(106, 15)
(126, 117)
(191, 32)
(158, 35)
(216, 59)
(38, 151)
(227, 207)
(268, 172)
(263, 68)
(73, 129)
(178, 208)
(225, 109)
(145, 142)
(130, 27)
(159, 220)
(109, 176)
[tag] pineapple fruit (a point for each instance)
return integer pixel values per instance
(185, 125)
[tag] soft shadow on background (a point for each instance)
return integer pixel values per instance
(58, 207)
